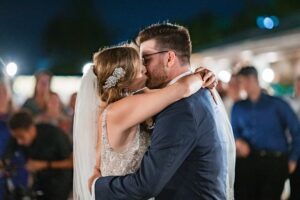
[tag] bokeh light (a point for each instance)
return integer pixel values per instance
(268, 75)
(267, 22)
(224, 76)
(11, 69)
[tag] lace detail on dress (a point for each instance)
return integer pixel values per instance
(121, 163)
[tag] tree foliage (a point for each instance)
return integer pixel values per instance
(72, 37)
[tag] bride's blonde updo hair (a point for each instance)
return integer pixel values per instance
(106, 61)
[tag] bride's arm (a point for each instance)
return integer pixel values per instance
(133, 110)
(208, 77)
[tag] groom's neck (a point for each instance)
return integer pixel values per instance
(178, 71)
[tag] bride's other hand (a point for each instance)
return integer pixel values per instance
(96, 174)
(209, 78)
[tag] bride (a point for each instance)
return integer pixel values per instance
(107, 136)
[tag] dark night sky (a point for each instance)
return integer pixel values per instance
(22, 23)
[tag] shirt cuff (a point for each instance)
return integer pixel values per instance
(93, 188)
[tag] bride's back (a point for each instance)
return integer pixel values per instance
(124, 160)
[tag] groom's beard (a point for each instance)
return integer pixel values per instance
(157, 79)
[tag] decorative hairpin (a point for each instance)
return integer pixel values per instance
(112, 80)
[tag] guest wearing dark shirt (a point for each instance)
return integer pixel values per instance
(49, 154)
(264, 155)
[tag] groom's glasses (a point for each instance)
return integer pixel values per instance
(145, 58)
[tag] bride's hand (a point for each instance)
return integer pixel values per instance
(96, 174)
(209, 78)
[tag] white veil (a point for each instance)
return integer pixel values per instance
(230, 146)
(85, 134)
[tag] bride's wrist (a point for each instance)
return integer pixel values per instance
(97, 168)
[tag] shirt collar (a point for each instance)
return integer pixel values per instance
(180, 76)
(263, 95)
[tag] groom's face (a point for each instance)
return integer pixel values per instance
(155, 61)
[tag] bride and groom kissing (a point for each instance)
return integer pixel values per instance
(190, 153)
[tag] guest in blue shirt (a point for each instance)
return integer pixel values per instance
(265, 156)
(15, 169)
(4, 137)
(12, 161)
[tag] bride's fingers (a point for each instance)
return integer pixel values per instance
(200, 69)
(211, 83)
(209, 75)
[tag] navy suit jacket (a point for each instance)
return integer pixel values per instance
(185, 161)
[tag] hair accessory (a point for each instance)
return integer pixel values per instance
(112, 80)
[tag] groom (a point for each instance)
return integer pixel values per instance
(187, 156)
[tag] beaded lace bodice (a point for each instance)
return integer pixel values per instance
(121, 163)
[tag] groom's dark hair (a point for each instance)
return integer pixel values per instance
(169, 36)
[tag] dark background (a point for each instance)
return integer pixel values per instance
(61, 35)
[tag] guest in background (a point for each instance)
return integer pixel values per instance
(71, 105)
(12, 161)
(221, 88)
(264, 157)
(294, 101)
(4, 138)
(37, 103)
(49, 153)
(71, 110)
(6, 104)
(232, 94)
(54, 114)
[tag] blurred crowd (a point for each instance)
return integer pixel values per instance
(36, 143)
(36, 140)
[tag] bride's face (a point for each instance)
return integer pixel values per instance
(140, 79)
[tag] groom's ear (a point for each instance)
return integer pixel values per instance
(171, 58)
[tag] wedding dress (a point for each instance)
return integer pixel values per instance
(121, 163)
